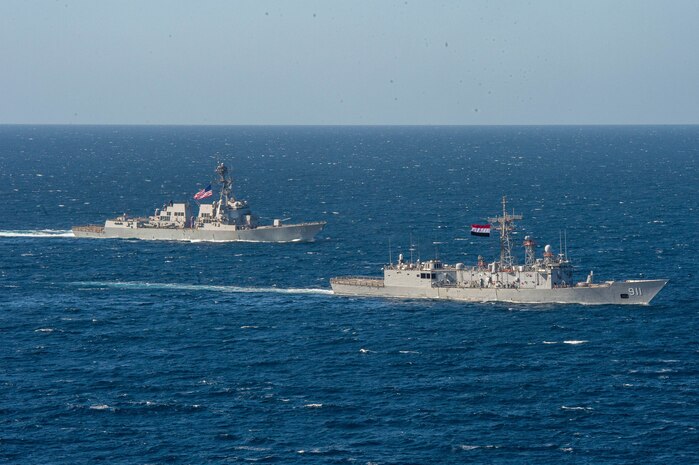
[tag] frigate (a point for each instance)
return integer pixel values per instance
(547, 279)
(226, 219)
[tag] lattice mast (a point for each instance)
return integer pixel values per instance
(505, 225)
(529, 251)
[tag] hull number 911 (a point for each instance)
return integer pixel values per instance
(635, 291)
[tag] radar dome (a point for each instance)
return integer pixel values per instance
(547, 249)
(459, 266)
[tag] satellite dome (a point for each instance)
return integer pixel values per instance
(547, 249)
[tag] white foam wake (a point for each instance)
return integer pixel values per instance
(200, 287)
(37, 233)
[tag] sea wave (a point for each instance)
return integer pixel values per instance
(199, 287)
(37, 233)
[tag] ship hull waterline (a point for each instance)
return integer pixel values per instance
(304, 232)
(630, 292)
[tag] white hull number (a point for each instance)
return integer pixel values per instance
(635, 291)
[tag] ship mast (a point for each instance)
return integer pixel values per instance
(226, 193)
(225, 182)
(505, 225)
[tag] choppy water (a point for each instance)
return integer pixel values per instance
(153, 352)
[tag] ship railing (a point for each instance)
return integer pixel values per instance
(368, 281)
(306, 223)
(445, 284)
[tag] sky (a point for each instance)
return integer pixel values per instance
(356, 62)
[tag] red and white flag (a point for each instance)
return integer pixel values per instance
(204, 193)
(480, 230)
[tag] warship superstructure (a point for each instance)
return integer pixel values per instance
(547, 279)
(226, 219)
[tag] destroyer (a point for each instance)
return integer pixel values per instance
(540, 280)
(227, 219)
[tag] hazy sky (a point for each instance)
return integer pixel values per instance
(350, 62)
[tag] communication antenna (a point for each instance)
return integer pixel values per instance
(412, 247)
(390, 256)
(560, 242)
(436, 249)
(565, 242)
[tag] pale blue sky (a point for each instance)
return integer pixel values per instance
(353, 62)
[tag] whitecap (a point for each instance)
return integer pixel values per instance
(313, 405)
(565, 407)
(468, 447)
(100, 407)
(474, 447)
(574, 342)
(44, 330)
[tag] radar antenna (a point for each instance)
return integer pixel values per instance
(505, 225)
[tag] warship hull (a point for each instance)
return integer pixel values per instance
(631, 292)
(303, 232)
(545, 280)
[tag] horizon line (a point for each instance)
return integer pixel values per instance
(351, 125)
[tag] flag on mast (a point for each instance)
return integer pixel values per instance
(482, 230)
(204, 193)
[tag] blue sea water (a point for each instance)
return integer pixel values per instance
(166, 352)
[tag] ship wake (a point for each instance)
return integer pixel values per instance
(140, 285)
(37, 233)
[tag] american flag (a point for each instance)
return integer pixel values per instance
(204, 193)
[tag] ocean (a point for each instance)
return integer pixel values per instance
(124, 351)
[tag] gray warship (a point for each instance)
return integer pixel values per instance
(548, 279)
(227, 219)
